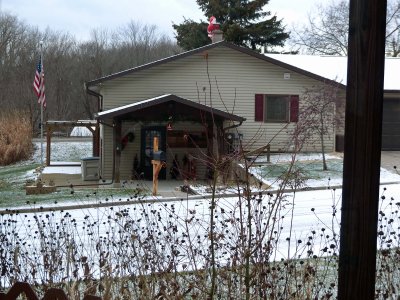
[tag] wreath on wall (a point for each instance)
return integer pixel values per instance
(128, 138)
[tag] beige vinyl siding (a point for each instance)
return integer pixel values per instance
(107, 152)
(234, 78)
(339, 130)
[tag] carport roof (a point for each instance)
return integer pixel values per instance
(123, 112)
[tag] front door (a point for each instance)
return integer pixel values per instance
(146, 152)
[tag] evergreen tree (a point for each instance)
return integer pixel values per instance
(191, 35)
(243, 22)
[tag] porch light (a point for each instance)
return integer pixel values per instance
(169, 127)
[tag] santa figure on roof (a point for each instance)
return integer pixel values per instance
(214, 25)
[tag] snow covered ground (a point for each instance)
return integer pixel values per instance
(304, 219)
(311, 165)
(65, 150)
(301, 215)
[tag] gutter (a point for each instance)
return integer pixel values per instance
(95, 94)
(233, 126)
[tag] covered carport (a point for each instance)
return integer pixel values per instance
(59, 126)
(158, 116)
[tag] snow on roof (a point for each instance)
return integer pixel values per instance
(335, 67)
(120, 108)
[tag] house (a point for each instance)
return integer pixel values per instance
(223, 91)
(335, 68)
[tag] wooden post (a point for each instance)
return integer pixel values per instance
(157, 165)
(48, 144)
(95, 139)
(117, 151)
(362, 150)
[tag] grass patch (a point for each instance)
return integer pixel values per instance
(17, 173)
(13, 179)
(308, 169)
(12, 183)
(17, 197)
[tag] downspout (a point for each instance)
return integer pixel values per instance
(95, 94)
(233, 126)
(99, 109)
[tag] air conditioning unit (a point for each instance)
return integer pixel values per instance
(233, 141)
(233, 136)
(90, 168)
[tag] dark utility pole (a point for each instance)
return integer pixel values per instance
(362, 151)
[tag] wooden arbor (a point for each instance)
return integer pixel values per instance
(54, 126)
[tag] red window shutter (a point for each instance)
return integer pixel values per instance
(294, 108)
(259, 108)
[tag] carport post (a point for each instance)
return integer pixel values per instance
(157, 165)
(117, 150)
(362, 150)
(48, 143)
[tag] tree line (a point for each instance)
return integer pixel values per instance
(68, 64)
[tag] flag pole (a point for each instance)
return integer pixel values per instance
(41, 109)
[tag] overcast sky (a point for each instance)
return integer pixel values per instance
(78, 17)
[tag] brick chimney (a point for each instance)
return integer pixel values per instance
(214, 31)
(217, 36)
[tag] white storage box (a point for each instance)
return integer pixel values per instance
(90, 168)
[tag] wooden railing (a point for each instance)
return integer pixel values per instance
(23, 288)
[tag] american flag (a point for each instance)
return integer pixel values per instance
(38, 83)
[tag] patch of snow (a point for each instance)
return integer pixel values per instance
(62, 170)
(332, 179)
(30, 175)
(64, 150)
(287, 157)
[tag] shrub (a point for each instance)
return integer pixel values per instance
(15, 137)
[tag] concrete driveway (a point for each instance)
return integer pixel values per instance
(389, 159)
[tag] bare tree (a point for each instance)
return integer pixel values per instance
(59, 72)
(138, 44)
(69, 63)
(17, 48)
(393, 28)
(321, 113)
(326, 31)
(111, 51)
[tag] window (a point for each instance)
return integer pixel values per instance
(276, 108)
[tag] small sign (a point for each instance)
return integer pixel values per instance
(286, 75)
